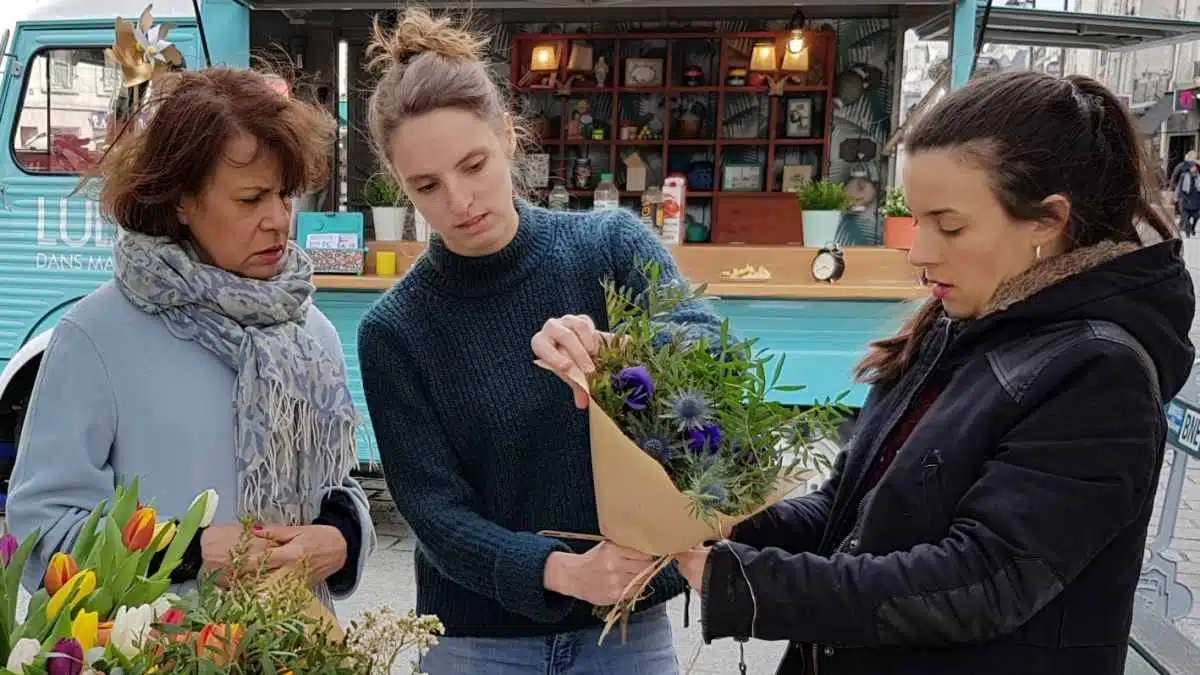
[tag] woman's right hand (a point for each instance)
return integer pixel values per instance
(598, 576)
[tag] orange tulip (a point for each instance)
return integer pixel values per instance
(60, 570)
(218, 642)
(139, 531)
(103, 633)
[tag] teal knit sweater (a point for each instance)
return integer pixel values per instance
(481, 448)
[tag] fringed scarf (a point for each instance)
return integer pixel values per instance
(294, 420)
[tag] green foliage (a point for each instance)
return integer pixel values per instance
(824, 195)
(896, 205)
(381, 189)
(730, 381)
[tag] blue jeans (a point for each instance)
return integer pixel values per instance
(650, 650)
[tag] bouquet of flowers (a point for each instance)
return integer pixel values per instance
(93, 595)
(685, 441)
(104, 610)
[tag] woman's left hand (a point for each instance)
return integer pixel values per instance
(321, 547)
(692, 563)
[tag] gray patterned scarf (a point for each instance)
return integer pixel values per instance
(294, 425)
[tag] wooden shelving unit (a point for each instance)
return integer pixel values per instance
(727, 125)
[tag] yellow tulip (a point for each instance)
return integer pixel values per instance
(86, 629)
(85, 582)
(169, 527)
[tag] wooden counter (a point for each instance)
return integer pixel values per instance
(872, 272)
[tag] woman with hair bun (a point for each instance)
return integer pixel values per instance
(481, 448)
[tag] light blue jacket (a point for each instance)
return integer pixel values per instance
(118, 395)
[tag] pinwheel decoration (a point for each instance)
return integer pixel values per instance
(142, 50)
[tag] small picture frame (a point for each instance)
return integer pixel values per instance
(643, 72)
(799, 118)
(738, 177)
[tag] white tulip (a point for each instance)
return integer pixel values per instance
(210, 506)
(23, 653)
(130, 628)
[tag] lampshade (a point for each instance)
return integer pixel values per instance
(580, 60)
(763, 57)
(795, 62)
(545, 58)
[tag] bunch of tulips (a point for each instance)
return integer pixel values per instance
(100, 601)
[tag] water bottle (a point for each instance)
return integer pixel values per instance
(560, 199)
(606, 196)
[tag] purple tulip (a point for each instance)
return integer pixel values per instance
(8, 548)
(705, 439)
(637, 385)
(66, 658)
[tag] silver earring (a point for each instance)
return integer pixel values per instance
(1037, 252)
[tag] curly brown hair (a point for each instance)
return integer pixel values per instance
(145, 173)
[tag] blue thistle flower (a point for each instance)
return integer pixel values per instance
(690, 409)
(713, 491)
(659, 448)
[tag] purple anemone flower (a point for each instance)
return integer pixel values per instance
(705, 439)
(637, 385)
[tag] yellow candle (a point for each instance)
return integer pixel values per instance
(385, 263)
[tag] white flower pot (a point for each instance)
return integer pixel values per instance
(420, 226)
(821, 228)
(389, 222)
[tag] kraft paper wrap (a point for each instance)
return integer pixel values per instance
(637, 504)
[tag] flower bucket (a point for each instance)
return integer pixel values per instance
(821, 228)
(389, 222)
(899, 232)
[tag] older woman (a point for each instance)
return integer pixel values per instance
(203, 363)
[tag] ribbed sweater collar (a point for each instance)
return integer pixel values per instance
(469, 276)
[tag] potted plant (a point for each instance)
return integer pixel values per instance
(389, 205)
(899, 226)
(822, 203)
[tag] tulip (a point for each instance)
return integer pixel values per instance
(131, 627)
(104, 633)
(218, 642)
(210, 506)
(60, 570)
(164, 603)
(8, 548)
(66, 658)
(139, 531)
(172, 617)
(77, 590)
(169, 528)
(23, 653)
(86, 629)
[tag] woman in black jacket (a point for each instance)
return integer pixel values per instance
(990, 512)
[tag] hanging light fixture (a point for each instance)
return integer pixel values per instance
(795, 43)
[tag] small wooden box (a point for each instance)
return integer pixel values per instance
(758, 219)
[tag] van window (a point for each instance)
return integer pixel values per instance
(63, 126)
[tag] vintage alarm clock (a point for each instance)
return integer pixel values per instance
(829, 264)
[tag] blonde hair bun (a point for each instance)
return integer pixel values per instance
(419, 32)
